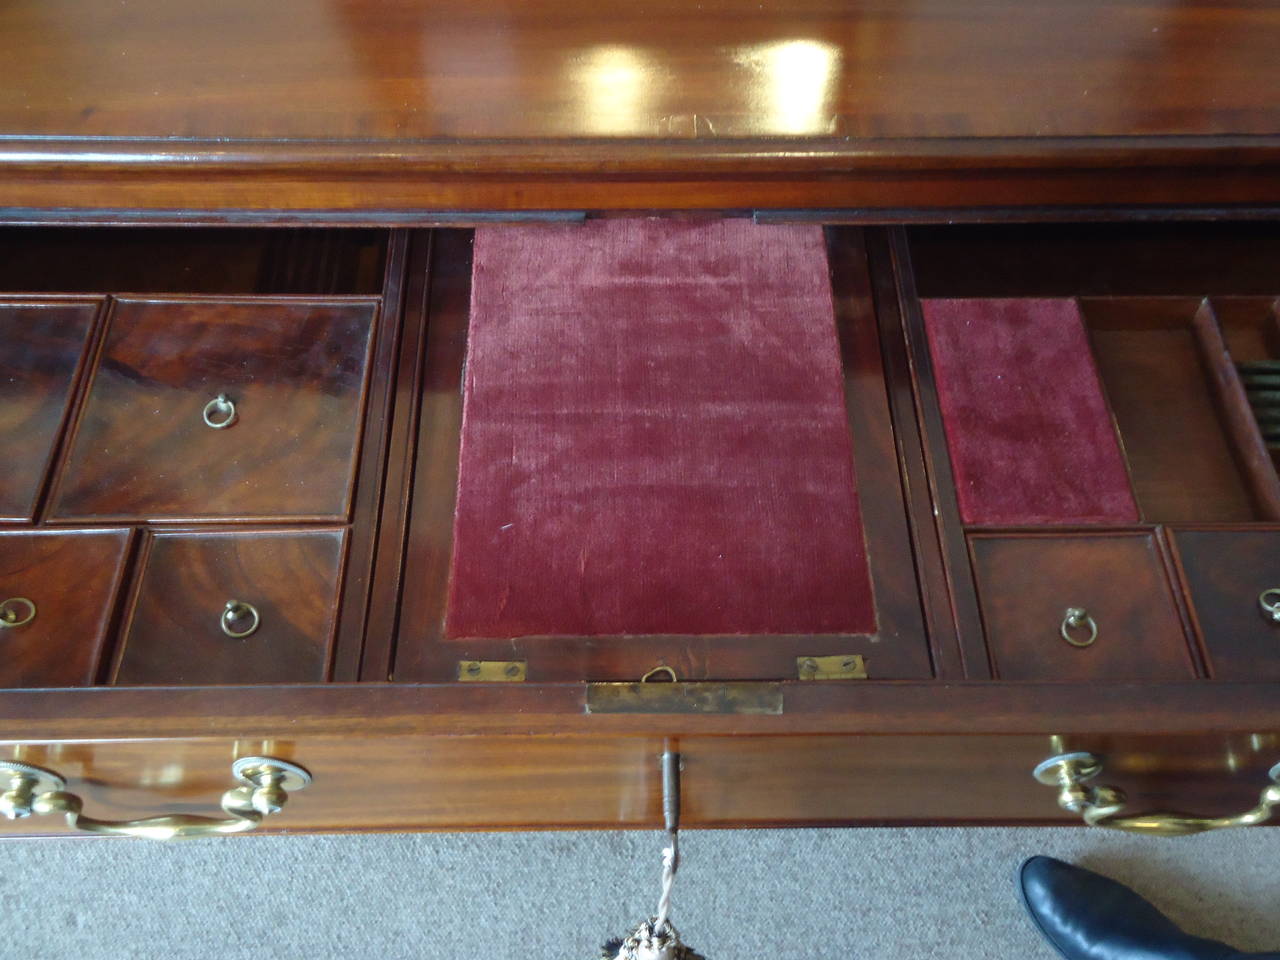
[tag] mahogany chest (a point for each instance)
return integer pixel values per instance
(448, 411)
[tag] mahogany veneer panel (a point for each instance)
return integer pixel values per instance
(72, 577)
(654, 438)
(522, 782)
(43, 346)
(297, 372)
(173, 631)
(1226, 571)
(1026, 584)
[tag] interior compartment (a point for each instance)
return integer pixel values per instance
(301, 325)
(1251, 329)
(1185, 460)
(1147, 293)
(191, 260)
(664, 422)
(1221, 258)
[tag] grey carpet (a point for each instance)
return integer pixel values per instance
(912, 894)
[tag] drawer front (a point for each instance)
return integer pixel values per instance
(365, 781)
(1226, 574)
(43, 347)
(155, 442)
(214, 608)
(57, 595)
(1128, 630)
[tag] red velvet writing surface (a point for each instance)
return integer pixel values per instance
(654, 438)
(1028, 429)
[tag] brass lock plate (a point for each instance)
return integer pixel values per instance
(698, 697)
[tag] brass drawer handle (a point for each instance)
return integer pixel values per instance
(1269, 601)
(220, 412)
(1074, 620)
(1101, 806)
(265, 785)
(237, 611)
(16, 612)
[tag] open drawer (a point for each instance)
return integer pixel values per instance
(511, 511)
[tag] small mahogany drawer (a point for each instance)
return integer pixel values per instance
(57, 596)
(44, 343)
(228, 409)
(1233, 582)
(243, 607)
(1079, 607)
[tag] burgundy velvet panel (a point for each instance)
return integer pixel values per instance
(654, 437)
(1030, 435)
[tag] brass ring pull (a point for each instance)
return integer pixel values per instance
(236, 611)
(265, 785)
(1269, 601)
(1074, 620)
(661, 668)
(16, 612)
(219, 413)
(1101, 806)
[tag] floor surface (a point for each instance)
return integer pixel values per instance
(881, 894)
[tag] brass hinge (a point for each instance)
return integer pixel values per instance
(849, 666)
(492, 671)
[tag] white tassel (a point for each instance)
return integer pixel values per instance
(650, 942)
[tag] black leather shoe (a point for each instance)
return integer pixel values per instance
(1087, 916)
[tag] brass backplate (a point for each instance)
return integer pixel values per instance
(684, 697)
(849, 666)
(492, 671)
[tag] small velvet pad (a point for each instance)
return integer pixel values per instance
(1028, 429)
(654, 436)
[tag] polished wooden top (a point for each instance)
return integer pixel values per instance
(588, 89)
(428, 69)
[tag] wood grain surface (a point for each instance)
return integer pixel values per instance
(44, 347)
(1027, 583)
(296, 371)
(72, 578)
(173, 631)
(1226, 572)
(523, 782)
(547, 69)
(459, 105)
